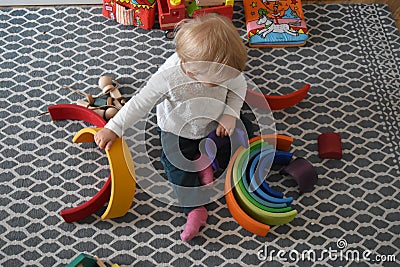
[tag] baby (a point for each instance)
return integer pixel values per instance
(200, 88)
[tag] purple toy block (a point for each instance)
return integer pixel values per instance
(303, 172)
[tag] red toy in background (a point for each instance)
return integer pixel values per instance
(138, 13)
(170, 12)
(141, 13)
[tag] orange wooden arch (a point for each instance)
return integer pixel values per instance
(238, 214)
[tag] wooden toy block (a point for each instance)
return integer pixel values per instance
(303, 172)
(239, 137)
(123, 183)
(269, 102)
(249, 207)
(250, 184)
(108, 85)
(120, 187)
(83, 260)
(89, 207)
(85, 104)
(75, 112)
(238, 214)
(279, 141)
(255, 163)
(117, 104)
(330, 146)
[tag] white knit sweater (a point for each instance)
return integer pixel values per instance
(185, 107)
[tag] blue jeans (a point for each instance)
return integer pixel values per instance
(185, 182)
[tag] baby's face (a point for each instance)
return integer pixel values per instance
(210, 74)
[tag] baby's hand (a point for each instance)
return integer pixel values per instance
(226, 125)
(105, 138)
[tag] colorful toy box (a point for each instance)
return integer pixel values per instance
(170, 12)
(138, 13)
(275, 23)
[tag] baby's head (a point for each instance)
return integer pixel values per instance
(214, 39)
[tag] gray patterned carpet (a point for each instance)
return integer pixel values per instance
(352, 61)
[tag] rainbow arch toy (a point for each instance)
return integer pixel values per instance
(123, 184)
(119, 189)
(258, 207)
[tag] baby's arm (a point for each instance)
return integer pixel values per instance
(226, 125)
(234, 102)
(105, 138)
(136, 108)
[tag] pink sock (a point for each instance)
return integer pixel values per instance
(207, 174)
(196, 219)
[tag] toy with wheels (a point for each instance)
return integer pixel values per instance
(170, 12)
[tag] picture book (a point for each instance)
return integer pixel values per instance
(275, 23)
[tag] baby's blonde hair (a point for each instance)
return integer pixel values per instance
(212, 38)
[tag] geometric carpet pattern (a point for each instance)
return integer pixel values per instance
(351, 60)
